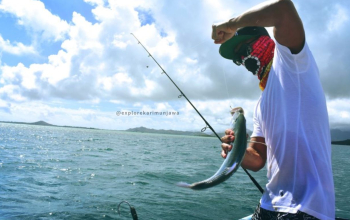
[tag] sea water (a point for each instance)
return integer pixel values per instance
(68, 173)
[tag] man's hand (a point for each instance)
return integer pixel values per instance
(255, 156)
(222, 32)
(227, 139)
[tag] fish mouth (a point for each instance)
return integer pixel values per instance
(237, 110)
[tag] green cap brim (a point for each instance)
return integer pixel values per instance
(227, 49)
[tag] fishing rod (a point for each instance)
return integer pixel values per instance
(207, 124)
(182, 94)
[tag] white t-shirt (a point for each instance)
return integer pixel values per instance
(291, 115)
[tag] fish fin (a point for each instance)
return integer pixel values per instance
(183, 184)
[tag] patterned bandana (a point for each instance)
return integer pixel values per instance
(259, 60)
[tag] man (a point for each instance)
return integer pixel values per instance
(291, 128)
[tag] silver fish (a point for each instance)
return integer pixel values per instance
(234, 157)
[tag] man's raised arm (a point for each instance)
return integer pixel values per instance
(281, 14)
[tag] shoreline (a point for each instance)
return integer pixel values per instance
(141, 129)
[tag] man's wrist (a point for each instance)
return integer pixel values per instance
(231, 24)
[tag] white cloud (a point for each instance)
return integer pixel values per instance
(118, 41)
(33, 15)
(191, 61)
(32, 77)
(94, 2)
(11, 92)
(19, 75)
(16, 48)
(84, 34)
(117, 101)
(5, 107)
(345, 115)
(339, 112)
(57, 69)
(214, 6)
(338, 18)
(118, 79)
(147, 90)
(157, 45)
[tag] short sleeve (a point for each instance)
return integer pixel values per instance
(257, 131)
(295, 63)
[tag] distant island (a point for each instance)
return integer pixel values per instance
(42, 123)
(345, 142)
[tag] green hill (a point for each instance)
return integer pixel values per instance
(345, 142)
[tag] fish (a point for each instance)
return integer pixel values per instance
(234, 157)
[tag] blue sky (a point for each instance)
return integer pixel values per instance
(75, 62)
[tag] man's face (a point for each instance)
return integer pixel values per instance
(255, 54)
(244, 49)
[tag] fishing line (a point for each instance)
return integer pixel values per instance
(228, 95)
(204, 41)
(207, 124)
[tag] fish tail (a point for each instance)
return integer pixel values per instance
(183, 184)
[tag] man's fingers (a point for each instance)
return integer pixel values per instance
(225, 149)
(217, 35)
(229, 132)
(228, 138)
(223, 154)
(213, 33)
